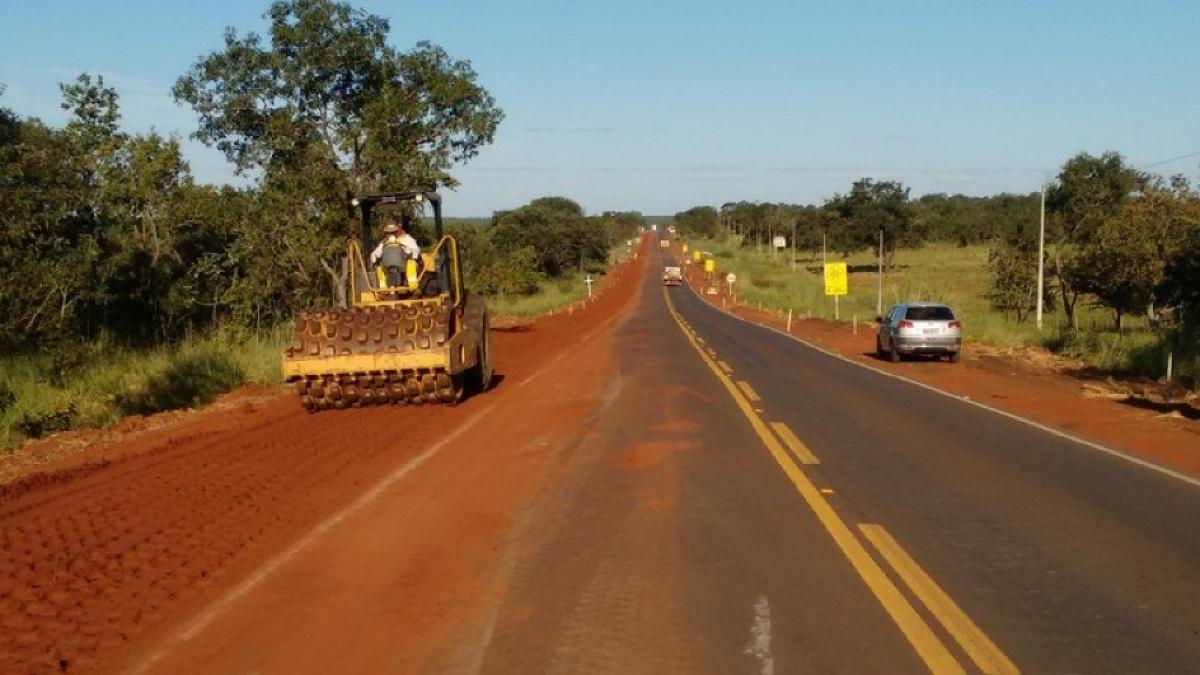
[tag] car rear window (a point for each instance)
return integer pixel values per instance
(929, 314)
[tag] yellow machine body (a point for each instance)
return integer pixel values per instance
(423, 341)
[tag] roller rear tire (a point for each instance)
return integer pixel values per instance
(480, 377)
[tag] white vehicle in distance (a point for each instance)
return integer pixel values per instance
(912, 328)
(672, 276)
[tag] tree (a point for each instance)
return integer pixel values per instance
(967, 220)
(621, 225)
(556, 229)
(810, 228)
(1089, 191)
(1181, 278)
(869, 207)
(698, 221)
(516, 273)
(326, 109)
(1012, 260)
(1125, 261)
(51, 231)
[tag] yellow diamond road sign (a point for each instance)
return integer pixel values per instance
(835, 279)
(710, 265)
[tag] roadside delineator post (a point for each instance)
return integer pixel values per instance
(789, 325)
(856, 324)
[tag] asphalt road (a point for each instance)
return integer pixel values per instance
(742, 502)
(681, 491)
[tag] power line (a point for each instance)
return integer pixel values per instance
(1173, 159)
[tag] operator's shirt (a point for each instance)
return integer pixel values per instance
(405, 241)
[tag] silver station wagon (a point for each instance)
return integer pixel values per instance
(919, 328)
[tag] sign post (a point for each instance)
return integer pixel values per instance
(836, 283)
(589, 281)
(730, 279)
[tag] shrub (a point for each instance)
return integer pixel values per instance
(190, 379)
(514, 274)
(36, 425)
(7, 398)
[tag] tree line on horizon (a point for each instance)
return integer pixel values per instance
(1117, 237)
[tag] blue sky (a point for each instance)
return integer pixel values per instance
(659, 106)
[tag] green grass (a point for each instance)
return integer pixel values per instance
(551, 295)
(95, 385)
(957, 276)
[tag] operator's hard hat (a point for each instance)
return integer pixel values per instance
(391, 228)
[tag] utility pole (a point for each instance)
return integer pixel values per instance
(879, 293)
(1041, 278)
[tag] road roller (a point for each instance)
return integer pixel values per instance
(410, 333)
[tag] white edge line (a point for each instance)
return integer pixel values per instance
(1190, 480)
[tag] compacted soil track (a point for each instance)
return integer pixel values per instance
(104, 555)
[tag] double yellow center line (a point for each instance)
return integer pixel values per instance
(928, 646)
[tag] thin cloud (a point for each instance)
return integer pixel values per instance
(570, 130)
(875, 170)
(515, 168)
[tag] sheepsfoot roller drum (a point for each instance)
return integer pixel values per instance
(423, 341)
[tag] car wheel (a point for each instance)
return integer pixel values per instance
(878, 347)
(955, 357)
(893, 353)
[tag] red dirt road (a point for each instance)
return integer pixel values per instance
(106, 557)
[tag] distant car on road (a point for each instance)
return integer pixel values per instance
(672, 276)
(919, 328)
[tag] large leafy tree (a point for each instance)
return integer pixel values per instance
(323, 109)
(1089, 191)
(50, 229)
(1125, 261)
(869, 207)
(556, 229)
(1181, 279)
